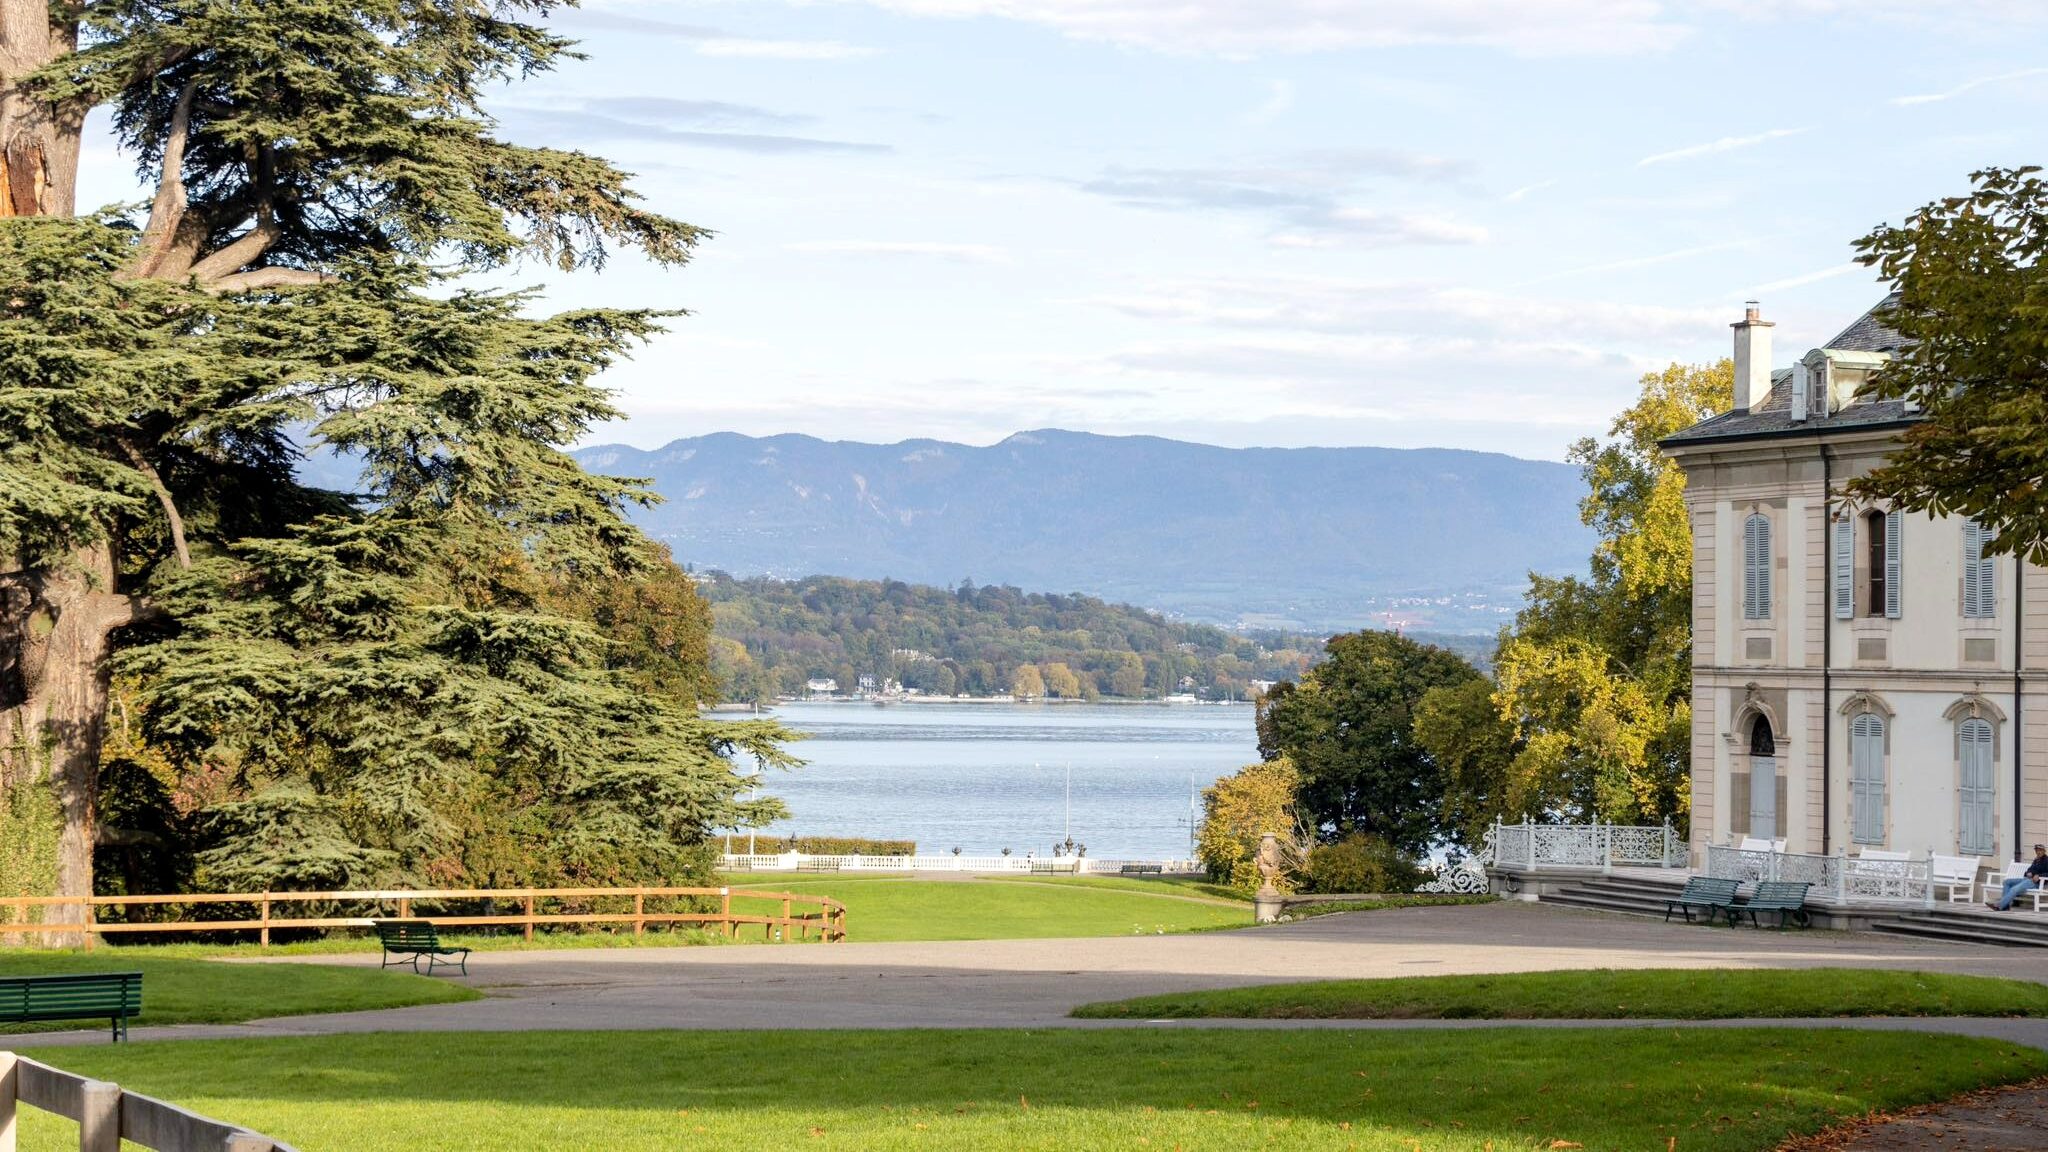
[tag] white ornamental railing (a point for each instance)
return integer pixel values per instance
(1058, 865)
(1887, 878)
(1531, 847)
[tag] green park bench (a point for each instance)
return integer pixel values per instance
(114, 995)
(1706, 894)
(1142, 870)
(1785, 897)
(417, 938)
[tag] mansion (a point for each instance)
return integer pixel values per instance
(1862, 678)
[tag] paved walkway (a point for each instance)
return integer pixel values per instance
(1034, 983)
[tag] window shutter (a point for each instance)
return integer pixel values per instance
(1756, 568)
(1866, 778)
(1978, 793)
(1738, 803)
(1894, 525)
(1845, 567)
(1973, 548)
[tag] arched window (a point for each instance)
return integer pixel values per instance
(1977, 786)
(1756, 567)
(1866, 778)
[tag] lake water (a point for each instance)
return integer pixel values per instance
(984, 777)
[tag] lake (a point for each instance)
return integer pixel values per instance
(984, 777)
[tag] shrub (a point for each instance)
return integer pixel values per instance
(1361, 863)
(1236, 811)
(837, 846)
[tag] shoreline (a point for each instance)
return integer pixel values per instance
(912, 701)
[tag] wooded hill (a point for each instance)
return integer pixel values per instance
(771, 636)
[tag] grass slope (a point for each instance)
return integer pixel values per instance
(933, 1091)
(1603, 994)
(903, 909)
(209, 992)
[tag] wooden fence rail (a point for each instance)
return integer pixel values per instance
(783, 915)
(106, 1115)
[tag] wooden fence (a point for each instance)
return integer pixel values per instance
(779, 915)
(106, 1115)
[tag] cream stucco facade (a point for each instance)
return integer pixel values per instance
(1861, 679)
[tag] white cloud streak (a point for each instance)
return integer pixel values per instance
(963, 253)
(1791, 282)
(1724, 144)
(1960, 89)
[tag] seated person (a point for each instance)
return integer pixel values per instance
(2036, 874)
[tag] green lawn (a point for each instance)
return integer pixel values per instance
(1732, 1090)
(894, 908)
(1191, 886)
(209, 992)
(1604, 994)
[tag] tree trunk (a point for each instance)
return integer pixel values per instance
(56, 628)
(39, 141)
(55, 625)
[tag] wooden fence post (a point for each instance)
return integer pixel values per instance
(639, 914)
(405, 907)
(10, 1088)
(725, 911)
(99, 1117)
(266, 921)
(529, 918)
(89, 922)
(785, 917)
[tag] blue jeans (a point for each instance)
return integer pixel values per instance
(2013, 888)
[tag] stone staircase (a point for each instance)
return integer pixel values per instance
(1965, 925)
(1636, 894)
(1961, 924)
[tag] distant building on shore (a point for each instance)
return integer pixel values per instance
(1862, 678)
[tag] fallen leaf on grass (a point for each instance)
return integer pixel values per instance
(1565, 1144)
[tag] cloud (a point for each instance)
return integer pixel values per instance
(1304, 194)
(713, 41)
(1958, 90)
(964, 253)
(1651, 260)
(1237, 28)
(1280, 100)
(690, 123)
(1522, 193)
(1724, 144)
(1801, 281)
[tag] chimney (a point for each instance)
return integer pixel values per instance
(1752, 357)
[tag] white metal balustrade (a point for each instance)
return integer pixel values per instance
(1531, 847)
(1840, 879)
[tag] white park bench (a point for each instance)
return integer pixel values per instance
(1956, 874)
(1880, 872)
(2014, 871)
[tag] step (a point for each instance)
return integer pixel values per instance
(1990, 924)
(1604, 904)
(1957, 933)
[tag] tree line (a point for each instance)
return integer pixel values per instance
(771, 637)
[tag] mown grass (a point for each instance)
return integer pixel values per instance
(910, 909)
(1184, 886)
(356, 941)
(1714, 1090)
(1603, 994)
(177, 991)
(1380, 904)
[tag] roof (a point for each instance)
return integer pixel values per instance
(1868, 333)
(1868, 340)
(1777, 421)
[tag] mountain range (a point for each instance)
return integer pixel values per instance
(1314, 538)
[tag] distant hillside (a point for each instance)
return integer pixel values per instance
(1319, 539)
(772, 636)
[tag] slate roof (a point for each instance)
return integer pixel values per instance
(1868, 334)
(1761, 422)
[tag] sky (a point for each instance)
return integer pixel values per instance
(1460, 223)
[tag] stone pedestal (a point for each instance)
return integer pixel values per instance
(1266, 905)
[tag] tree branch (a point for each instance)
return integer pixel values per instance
(168, 209)
(163, 496)
(240, 252)
(266, 278)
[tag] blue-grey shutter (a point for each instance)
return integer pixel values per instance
(1866, 778)
(1973, 738)
(1894, 526)
(1980, 585)
(1845, 567)
(1756, 568)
